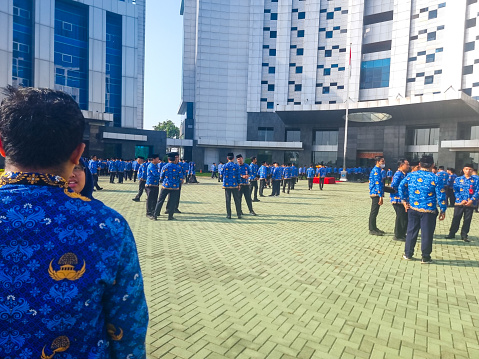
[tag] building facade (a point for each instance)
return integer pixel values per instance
(270, 78)
(94, 51)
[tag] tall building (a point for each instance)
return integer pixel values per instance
(270, 78)
(94, 51)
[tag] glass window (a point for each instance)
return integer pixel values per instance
(330, 15)
(326, 72)
(272, 52)
(270, 87)
(325, 90)
(274, 16)
(329, 34)
(113, 98)
(469, 46)
(271, 70)
(301, 15)
(298, 87)
(326, 138)
(432, 14)
(300, 33)
(265, 133)
(474, 132)
(375, 74)
(299, 69)
(23, 32)
(327, 53)
(431, 36)
(428, 80)
(293, 136)
(272, 34)
(299, 52)
(270, 105)
(325, 157)
(423, 136)
(430, 58)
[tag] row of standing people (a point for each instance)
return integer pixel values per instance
(417, 191)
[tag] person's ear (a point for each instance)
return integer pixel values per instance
(76, 154)
(2, 150)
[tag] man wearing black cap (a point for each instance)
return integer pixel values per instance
(231, 175)
(243, 180)
(466, 193)
(171, 177)
(421, 195)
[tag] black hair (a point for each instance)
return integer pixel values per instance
(426, 161)
(155, 156)
(441, 167)
(401, 161)
(39, 128)
(230, 157)
(378, 158)
(451, 169)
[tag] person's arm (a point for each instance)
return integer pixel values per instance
(124, 304)
(441, 199)
(403, 192)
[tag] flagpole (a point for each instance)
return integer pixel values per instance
(344, 172)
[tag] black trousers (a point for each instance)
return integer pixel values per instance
(374, 213)
(246, 192)
(310, 183)
(262, 185)
(214, 174)
(135, 175)
(172, 201)
(321, 183)
(112, 177)
(235, 193)
(95, 181)
(287, 182)
(120, 177)
(451, 196)
(130, 174)
(460, 211)
(276, 187)
(177, 204)
(152, 193)
(400, 227)
(141, 188)
(427, 222)
(254, 189)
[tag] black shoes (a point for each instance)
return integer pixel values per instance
(149, 216)
(376, 233)
(382, 232)
(465, 239)
(426, 260)
(399, 239)
(450, 236)
(177, 211)
(135, 199)
(171, 218)
(239, 216)
(406, 257)
(228, 217)
(252, 213)
(256, 200)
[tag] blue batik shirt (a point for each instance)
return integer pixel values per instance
(129, 166)
(186, 167)
(143, 171)
(220, 169)
(396, 181)
(69, 272)
(263, 172)
(287, 172)
(152, 175)
(192, 169)
(376, 187)
(231, 173)
(451, 180)
(310, 173)
(253, 172)
(135, 165)
(244, 170)
(294, 171)
(389, 173)
(277, 174)
(93, 167)
(112, 166)
(442, 178)
(466, 189)
(171, 176)
(322, 171)
(421, 191)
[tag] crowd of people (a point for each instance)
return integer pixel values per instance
(420, 193)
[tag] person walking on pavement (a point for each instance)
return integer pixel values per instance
(376, 192)
(231, 174)
(152, 186)
(243, 182)
(400, 226)
(253, 178)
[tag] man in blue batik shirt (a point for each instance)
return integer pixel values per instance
(152, 186)
(253, 178)
(287, 177)
(171, 177)
(421, 195)
(231, 174)
(220, 171)
(77, 289)
(93, 165)
(112, 169)
(135, 166)
(214, 170)
(120, 165)
(276, 176)
(142, 175)
(310, 175)
(400, 227)
(263, 175)
(322, 176)
(466, 194)
(243, 181)
(376, 192)
(442, 177)
(450, 186)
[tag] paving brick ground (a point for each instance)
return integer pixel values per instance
(304, 279)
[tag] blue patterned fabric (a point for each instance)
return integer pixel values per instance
(466, 189)
(277, 173)
(389, 173)
(171, 176)
(310, 172)
(231, 173)
(143, 171)
(442, 178)
(220, 168)
(71, 285)
(135, 165)
(192, 168)
(112, 166)
(396, 181)
(287, 172)
(263, 172)
(451, 180)
(152, 175)
(121, 165)
(421, 191)
(129, 166)
(376, 187)
(93, 166)
(244, 171)
(322, 172)
(294, 171)
(253, 172)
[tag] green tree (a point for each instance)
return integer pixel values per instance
(172, 131)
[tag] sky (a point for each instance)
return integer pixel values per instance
(163, 62)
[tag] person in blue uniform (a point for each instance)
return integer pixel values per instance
(294, 175)
(310, 175)
(152, 186)
(450, 186)
(253, 178)
(466, 196)
(231, 175)
(76, 284)
(389, 175)
(287, 177)
(93, 166)
(243, 181)
(120, 165)
(135, 166)
(322, 176)
(171, 177)
(263, 175)
(276, 177)
(400, 226)
(220, 171)
(112, 170)
(142, 175)
(421, 195)
(376, 192)
(214, 170)
(442, 177)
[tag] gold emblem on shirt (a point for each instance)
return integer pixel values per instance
(59, 345)
(67, 270)
(110, 328)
